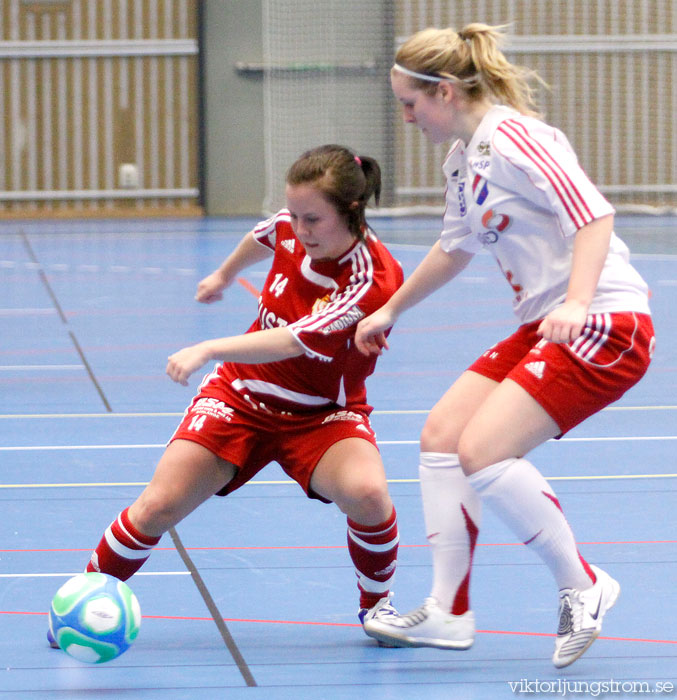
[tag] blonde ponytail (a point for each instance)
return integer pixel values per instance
(472, 58)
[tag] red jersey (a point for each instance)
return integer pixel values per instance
(321, 303)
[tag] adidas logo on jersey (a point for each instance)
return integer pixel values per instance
(536, 368)
(289, 244)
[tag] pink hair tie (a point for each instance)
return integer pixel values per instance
(358, 161)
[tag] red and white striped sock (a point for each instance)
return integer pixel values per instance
(122, 550)
(373, 549)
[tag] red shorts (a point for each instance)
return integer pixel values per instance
(220, 419)
(572, 381)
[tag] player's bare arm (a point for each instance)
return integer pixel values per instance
(270, 345)
(591, 245)
(434, 271)
(248, 252)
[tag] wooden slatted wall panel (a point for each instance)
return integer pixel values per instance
(87, 86)
(612, 69)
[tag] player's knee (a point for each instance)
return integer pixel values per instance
(367, 498)
(438, 436)
(472, 453)
(373, 493)
(153, 514)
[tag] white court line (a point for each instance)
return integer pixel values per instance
(27, 312)
(625, 438)
(285, 482)
(177, 414)
(47, 448)
(26, 368)
(654, 256)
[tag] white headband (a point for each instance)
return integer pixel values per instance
(420, 76)
(472, 80)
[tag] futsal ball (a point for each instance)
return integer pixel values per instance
(94, 617)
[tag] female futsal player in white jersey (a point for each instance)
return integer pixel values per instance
(514, 189)
(292, 388)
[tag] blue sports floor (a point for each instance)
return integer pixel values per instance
(254, 596)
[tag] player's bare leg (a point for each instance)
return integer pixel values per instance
(452, 512)
(449, 416)
(505, 427)
(490, 427)
(186, 476)
(351, 474)
(509, 422)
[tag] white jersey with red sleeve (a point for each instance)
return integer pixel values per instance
(321, 303)
(518, 191)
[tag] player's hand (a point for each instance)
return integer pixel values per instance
(370, 336)
(183, 363)
(210, 289)
(565, 323)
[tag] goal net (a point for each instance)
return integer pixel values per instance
(611, 66)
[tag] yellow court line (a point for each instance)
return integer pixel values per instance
(274, 482)
(156, 446)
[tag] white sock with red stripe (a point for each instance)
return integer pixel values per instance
(122, 550)
(519, 494)
(452, 512)
(373, 549)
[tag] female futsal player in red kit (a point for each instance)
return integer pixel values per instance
(516, 190)
(292, 388)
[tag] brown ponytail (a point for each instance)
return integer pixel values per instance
(346, 180)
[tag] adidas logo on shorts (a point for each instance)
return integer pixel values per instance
(536, 368)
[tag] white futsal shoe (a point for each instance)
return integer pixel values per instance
(580, 617)
(427, 626)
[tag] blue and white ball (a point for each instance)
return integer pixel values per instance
(94, 617)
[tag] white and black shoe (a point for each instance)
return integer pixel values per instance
(580, 617)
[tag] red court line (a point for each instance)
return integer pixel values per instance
(327, 546)
(249, 286)
(348, 624)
